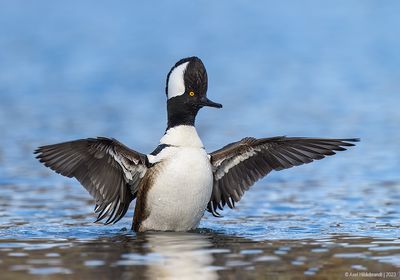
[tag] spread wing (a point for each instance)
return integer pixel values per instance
(239, 165)
(109, 171)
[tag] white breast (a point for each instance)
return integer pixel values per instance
(181, 188)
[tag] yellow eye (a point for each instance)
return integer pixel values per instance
(191, 93)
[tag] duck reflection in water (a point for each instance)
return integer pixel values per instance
(180, 256)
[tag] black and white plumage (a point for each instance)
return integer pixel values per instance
(179, 180)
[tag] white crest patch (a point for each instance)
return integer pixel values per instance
(176, 83)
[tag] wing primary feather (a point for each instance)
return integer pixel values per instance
(110, 217)
(303, 148)
(304, 158)
(104, 213)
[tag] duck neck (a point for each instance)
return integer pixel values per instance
(182, 136)
(180, 115)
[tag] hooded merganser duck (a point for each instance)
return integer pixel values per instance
(179, 180)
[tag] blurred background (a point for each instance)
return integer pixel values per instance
(84, 68)
(80, 69)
